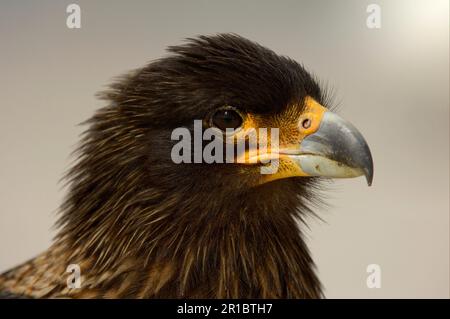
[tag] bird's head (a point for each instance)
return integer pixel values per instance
(235, 88)
(225, 85)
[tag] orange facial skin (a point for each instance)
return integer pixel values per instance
(294, 124)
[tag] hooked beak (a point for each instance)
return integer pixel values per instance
(335, 148)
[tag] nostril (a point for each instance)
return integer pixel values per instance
(306, 123)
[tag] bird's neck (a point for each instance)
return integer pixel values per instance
(171, 248)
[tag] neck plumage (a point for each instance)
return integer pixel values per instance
(155, 243)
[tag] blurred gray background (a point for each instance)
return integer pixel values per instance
(392, 83)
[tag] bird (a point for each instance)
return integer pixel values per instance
(138, 225)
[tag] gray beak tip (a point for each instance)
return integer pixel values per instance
(369, 179)
(368, 172)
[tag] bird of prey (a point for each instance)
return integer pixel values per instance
(137, 224)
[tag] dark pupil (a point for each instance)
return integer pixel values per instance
(227, 119)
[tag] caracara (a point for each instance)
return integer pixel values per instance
(139, 224)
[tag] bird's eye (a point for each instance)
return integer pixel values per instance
(226, 118)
